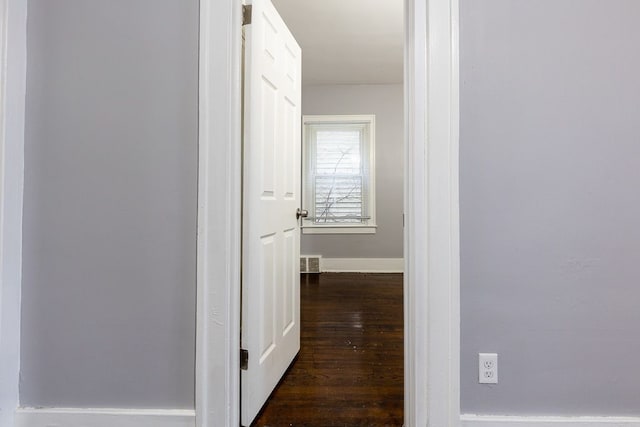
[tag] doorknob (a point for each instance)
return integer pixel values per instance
(302, 213)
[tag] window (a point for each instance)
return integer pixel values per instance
(338, 174)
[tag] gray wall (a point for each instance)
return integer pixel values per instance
(386, 102)
(550, 207)
(108, 316)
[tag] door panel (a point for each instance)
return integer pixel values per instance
(271, 195)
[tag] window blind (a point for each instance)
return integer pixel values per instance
(338, 176)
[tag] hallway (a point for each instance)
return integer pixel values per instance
(349, 371)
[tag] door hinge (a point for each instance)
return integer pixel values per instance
(246, 14)
(244, 359)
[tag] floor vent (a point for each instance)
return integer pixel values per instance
(310, 264)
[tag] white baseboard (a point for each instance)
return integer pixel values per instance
(470, 420)
(71, 417)
(362, 265)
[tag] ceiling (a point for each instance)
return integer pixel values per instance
(347, 41)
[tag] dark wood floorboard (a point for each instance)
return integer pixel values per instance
(349, 371)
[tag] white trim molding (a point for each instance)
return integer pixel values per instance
(471, 420)
(362, 265)
(219, 216)
(72, 417)
(13, 74)
(431, 235)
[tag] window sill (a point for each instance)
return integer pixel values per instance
(339, 229)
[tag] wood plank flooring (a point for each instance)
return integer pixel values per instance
(349, 371)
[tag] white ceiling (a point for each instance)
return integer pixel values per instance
(347, 41)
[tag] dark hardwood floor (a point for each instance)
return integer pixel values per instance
(349, 371)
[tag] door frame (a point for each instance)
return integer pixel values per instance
(431, 235)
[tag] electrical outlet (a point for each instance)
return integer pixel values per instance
(488, 368)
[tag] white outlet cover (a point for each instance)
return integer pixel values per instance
(488, 368)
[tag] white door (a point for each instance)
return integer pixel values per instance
(271, 196)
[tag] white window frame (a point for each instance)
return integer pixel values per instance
(369, 120)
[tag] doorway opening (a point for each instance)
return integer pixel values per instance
(347, 152)
(431, 248)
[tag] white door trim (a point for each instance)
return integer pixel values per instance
(432, 317)
(432, 250)
(13, 63)
(219, 216)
